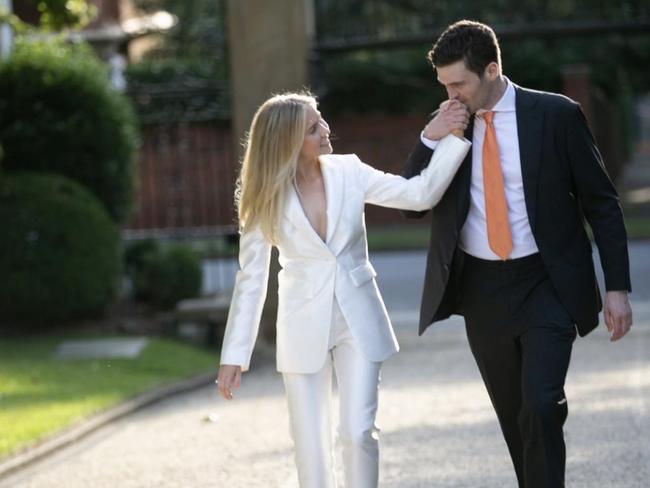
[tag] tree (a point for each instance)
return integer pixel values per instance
(61, 14)
(617, 62)
(59, 114)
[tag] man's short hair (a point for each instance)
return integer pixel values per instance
(473, 42)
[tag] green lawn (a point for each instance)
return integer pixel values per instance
(398, 238)
(401, 238)
(40, 395)
(638, 227)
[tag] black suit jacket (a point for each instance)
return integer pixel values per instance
(565, 182)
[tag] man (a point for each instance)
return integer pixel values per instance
(508, 247)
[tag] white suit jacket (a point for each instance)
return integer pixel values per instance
(314, 271)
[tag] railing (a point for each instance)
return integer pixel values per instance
(345, 25)
(192, 101)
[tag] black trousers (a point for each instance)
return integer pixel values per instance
(521, 337)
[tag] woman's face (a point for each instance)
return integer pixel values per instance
(317, 137)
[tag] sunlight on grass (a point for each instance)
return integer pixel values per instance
(404, 238)
(637, 227)
(398, 238)
(40, 394)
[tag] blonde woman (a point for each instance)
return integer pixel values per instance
(295, 195)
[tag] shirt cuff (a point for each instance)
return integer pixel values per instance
(428, 142)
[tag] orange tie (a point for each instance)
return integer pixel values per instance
(496, 207)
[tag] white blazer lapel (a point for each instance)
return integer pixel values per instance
(334, 185)
(296, 215)
(293, 210)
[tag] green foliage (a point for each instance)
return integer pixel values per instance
(185, 77)
(59, 14)
(179, 89)
(136, 253)
(42, 395)
(379, 81)
(402, 81)
(177, 71)
(56, 15)
(163, 275)
(59, 114)
(399, 80)
(387, 16)
(59, 252)
(199, 33)
(12, 21)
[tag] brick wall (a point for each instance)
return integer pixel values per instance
(382, 141)
(186, 178)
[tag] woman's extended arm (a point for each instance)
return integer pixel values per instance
(423, 191)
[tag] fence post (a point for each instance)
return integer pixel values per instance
(269, 44)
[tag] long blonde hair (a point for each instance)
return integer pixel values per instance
(270, 161)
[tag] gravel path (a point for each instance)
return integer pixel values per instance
(438, 428)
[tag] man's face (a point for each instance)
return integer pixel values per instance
(465, 85)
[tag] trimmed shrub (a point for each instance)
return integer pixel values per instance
(135, 253)
(164, 275)
(58, 114)
(59, 252)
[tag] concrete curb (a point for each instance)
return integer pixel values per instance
(85, 427)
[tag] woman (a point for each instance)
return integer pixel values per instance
(295, 195)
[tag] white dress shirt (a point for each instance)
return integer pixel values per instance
(473, 235)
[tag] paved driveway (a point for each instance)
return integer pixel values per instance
(438, 428)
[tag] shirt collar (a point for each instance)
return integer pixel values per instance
(507, 101)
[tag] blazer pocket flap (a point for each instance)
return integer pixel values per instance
(362, 274)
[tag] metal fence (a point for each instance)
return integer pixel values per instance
(187, 169)
(345, 25)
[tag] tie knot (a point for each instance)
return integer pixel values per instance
(489, 117)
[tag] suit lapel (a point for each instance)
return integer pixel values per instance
(296, 215)
(530, 131)
(294, 212)
(333, 181)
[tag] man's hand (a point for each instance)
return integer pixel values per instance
(618, 314)
(229, 379)
(452, 117)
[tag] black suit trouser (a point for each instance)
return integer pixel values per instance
(521, 337)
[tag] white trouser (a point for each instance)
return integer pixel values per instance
(309, 397)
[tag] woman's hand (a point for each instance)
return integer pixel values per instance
(229, 379)
(452, 117)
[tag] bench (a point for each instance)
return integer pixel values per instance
(210, 312)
